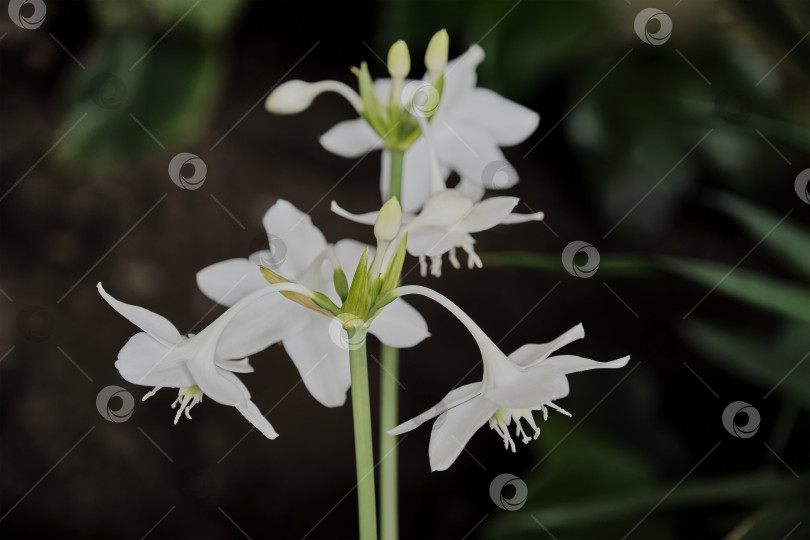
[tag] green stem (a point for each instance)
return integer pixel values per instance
(363, 439)
(395, 182)
(389, 415)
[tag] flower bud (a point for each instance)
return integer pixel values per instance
(436, 54)
(388, 221)
(399, 60)
(295, 96)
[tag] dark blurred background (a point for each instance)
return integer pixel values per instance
(680, 162)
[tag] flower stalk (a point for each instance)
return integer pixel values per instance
(363, 440)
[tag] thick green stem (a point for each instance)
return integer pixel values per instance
(363, 439)
(395, 182)
(389, 415)
(389, 402)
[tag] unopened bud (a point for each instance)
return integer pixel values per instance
(389, 220)
(399, 60)
(436, 54)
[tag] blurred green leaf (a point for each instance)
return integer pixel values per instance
(786, 240)
(780, 297)
(613, 264)
(781, 363)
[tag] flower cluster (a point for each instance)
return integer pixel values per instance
(427, 129)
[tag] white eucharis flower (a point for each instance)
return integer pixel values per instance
(200, 364)
(317, 344)
(529, 379)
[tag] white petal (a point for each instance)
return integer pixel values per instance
(432, 242)
(369, 218)
(415, 176)
(236, 366)
(147, 362)
(455, 397)
(504, 120)
(515, 218)
(348, 253)
(532, 353)
(300, 240)
(220, 385)
(460, 78)
(534, 387)
(265, 321)
(323, 365)
(153, 324)
(572, 364)
(255, 417)
(399, 325)
(453, 430)
(351, 139)
(489, 213)
(470, 189)
(473, 154)
(227, 282)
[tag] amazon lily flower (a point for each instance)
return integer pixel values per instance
(200, 364)
(316, 343)
(529, 379)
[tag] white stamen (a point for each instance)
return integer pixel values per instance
(436, 266)
(151, 393)
(453, 259)
(423, 267)
(560, 409)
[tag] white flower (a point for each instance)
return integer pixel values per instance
(195, 364)
(314, 342)
(469, 127)
(529, 379)
(445, 223)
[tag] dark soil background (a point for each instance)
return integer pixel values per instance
(69, 473)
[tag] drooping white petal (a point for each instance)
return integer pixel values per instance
(533, 353)
(220, 385)
(228, 281)
(415, 176)
(534, 387)
(399, 325)
(255, 417)
(506, 121)
(322, 362)
(572, 364)
(489, 213)
(146, 361)
(261, 323)
(432, 241)
(453, 429)
(474, 154)
(300, 240)
(455, 397)
(351, 139)
(513, 219)
(235, 366)
(153, 324)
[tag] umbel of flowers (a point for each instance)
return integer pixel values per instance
(322, 300)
